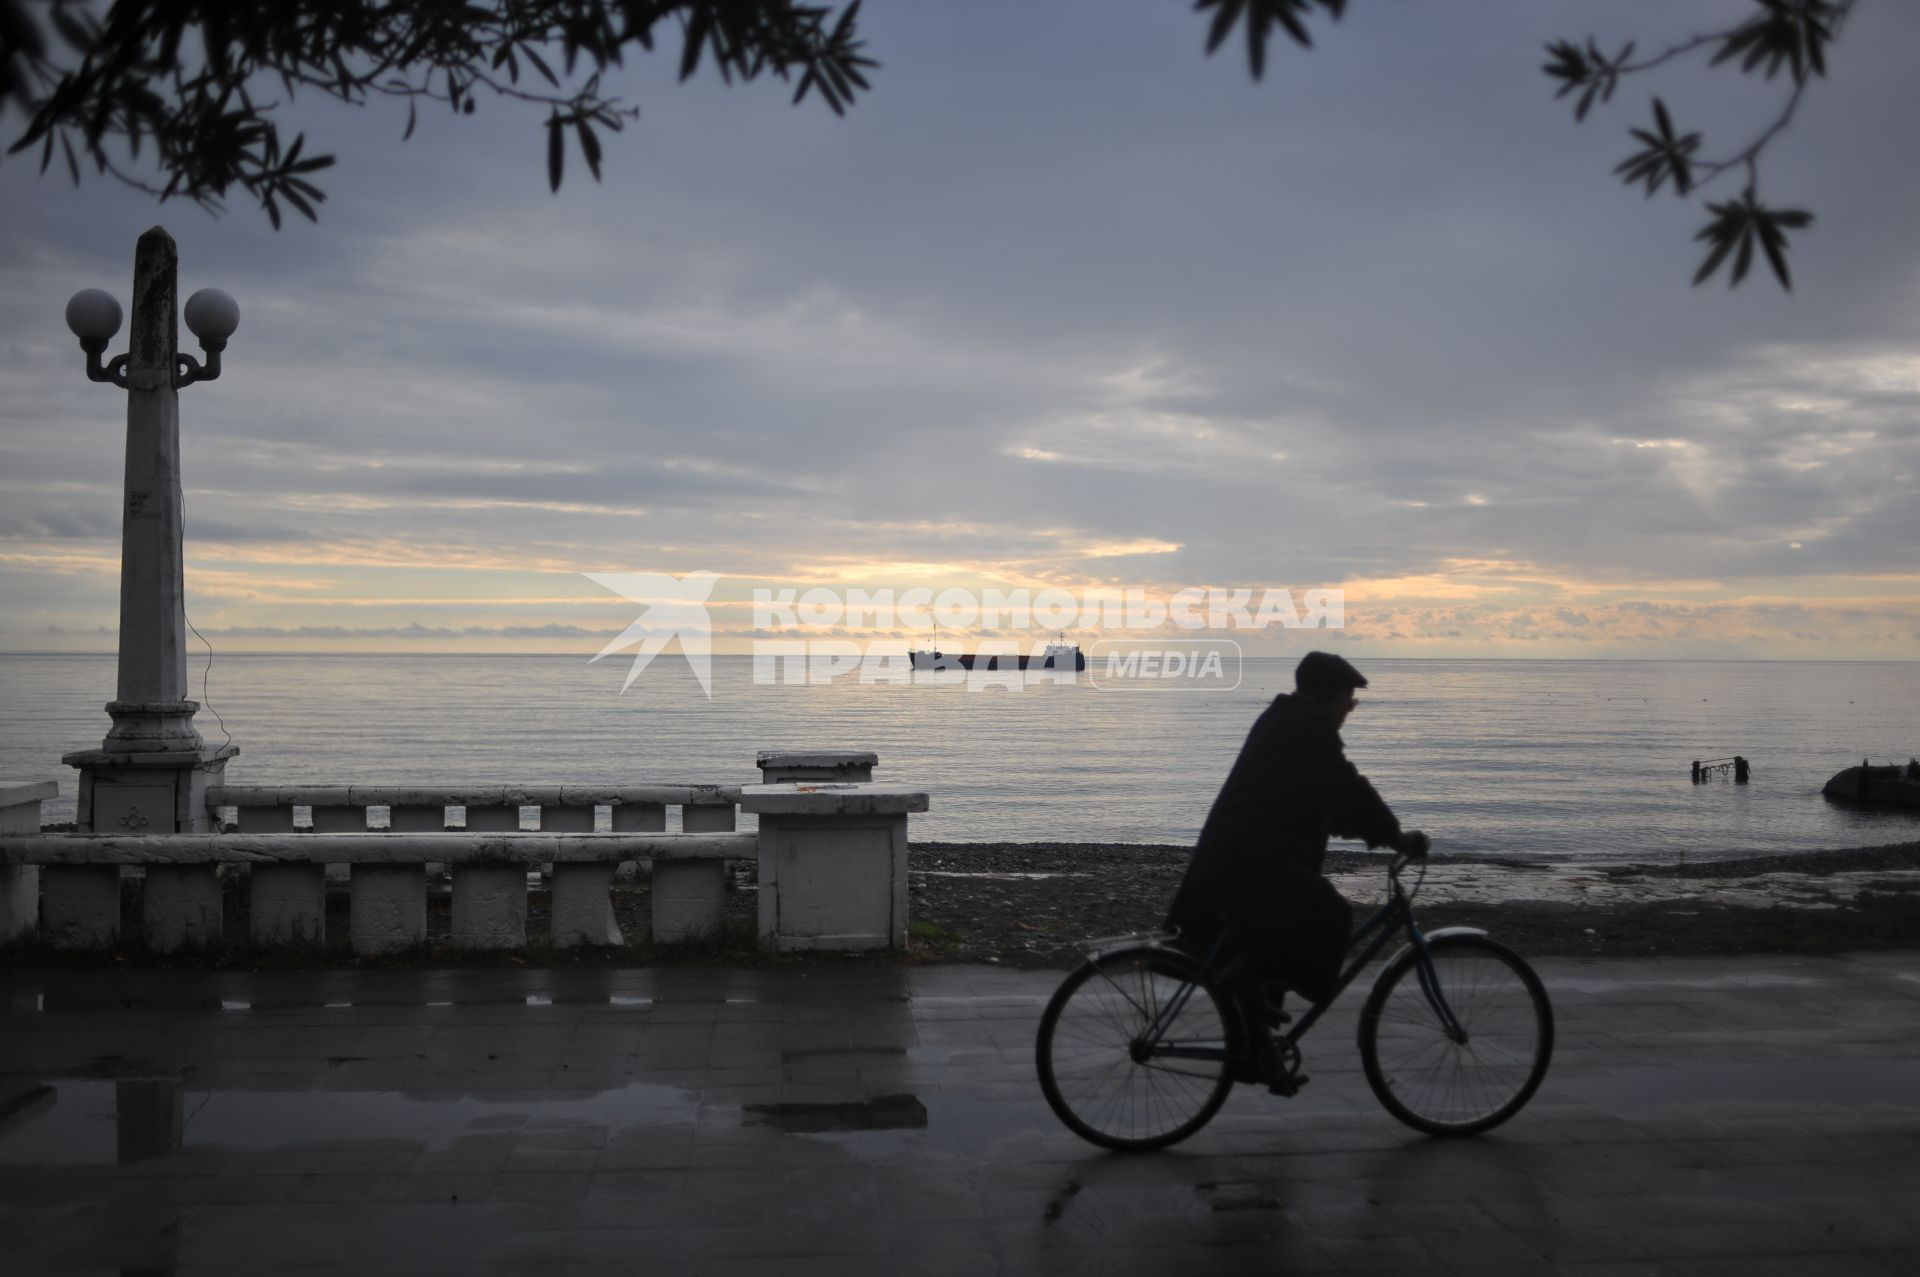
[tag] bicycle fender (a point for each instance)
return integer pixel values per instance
(1095, 946)
(1431, 936)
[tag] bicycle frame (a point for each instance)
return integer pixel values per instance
(1393, 917)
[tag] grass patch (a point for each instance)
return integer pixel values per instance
(929, 941)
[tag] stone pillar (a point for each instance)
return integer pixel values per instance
(388, 908)
(490, 904)
(583, 904)
(80, 905)
(833, 864)
(152, 711)
(287, 903)
(181, 907)
(825, 764)
(689, 896)
(582, 891)
(20, 884)
(152, 771)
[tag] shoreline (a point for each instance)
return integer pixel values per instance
(1028, 905)
(1340, 859)
(984, 902)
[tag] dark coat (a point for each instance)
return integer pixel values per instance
(1257, 866)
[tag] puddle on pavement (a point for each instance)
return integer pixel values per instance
(1849, 1084)
(84, 1121)
(877, 1113)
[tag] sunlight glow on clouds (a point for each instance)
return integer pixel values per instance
(1382, 322)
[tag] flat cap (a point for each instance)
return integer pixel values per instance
(1321, 674)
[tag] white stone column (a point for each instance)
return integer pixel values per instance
(80, 905)
(181, 906)
(388, 907)
(152, 771)
(582, 899)
(490, 904)
(490, 900)
(833, 863)
(20, 884)
(387, 903)
(690, 896)
(152, 711)
(287, 903)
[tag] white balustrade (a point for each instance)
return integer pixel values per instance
(20, 884)
(831, 856)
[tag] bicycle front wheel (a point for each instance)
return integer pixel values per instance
(1457, 1082)
(1133, 1050)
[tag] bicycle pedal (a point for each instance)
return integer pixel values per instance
(1288, 1086)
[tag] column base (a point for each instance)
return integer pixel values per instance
(148, 791)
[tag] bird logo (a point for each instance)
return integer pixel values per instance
(675, 608)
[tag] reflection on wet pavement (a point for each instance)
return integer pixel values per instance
(880, 1113)
(1791, 1084)
(867, 1117)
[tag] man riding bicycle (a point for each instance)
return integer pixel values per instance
(1257, 868)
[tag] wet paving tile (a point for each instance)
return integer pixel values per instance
(1698, 1113)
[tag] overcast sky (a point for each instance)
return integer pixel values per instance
(1061, 302)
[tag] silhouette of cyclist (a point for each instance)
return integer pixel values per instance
(1257, 867)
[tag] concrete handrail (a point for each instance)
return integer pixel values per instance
(831, 855)
(468, 795)
(370, 848)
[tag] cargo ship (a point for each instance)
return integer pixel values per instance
(1056, 657)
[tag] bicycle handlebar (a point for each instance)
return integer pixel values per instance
(1413, 846)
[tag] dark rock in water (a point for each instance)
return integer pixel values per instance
(1888, 786)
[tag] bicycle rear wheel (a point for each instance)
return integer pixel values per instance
(1108, 1076)
(1446, 1085)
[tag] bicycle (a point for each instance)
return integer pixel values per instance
(1139, 1047)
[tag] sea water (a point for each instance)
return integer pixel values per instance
(1536, 759)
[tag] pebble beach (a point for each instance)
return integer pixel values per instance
(1026, 904)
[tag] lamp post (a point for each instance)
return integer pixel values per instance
(151, 773)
